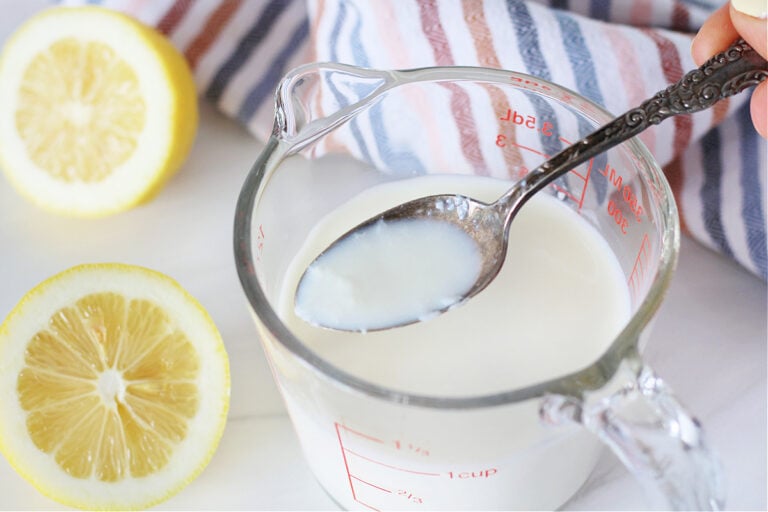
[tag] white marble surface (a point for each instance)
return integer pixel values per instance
(709, 341)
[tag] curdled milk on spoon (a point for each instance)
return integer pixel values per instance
(388, 274)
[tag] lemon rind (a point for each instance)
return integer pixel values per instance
(19, 458)
(174, 116)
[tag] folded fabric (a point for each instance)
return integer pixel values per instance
(615, 52)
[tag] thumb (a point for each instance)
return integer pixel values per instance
(750, 18)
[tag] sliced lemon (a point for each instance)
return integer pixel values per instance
(98, 110)
(114, 387)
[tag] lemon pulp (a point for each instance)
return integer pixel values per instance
(80, 110)
(108, 387)
(114, 387)
(99, 111)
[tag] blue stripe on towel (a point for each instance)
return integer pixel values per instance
(559, 4)
(268, 81)
(600, 10)
(245, 47)
(394, 160)
(710, 192)
(580, 58)
(586, 82)
(752, 208)
(530, 51)
(334, 43)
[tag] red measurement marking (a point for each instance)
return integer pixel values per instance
(638, 269)
(365, 486)
(529, 84)
(388, 465)
(585, 178)
(512, 143)
(624, 191)
(408, 496)
(355, 432)
(586, 181)
(372, 485)
(618, 216)
(346, 465)
(411, 448)
(525, 121)
(564, 191)
(577, 173)
(486, 473)
(502, 141)
(260, 242)
(580, 198)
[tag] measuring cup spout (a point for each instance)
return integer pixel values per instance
(315, 98)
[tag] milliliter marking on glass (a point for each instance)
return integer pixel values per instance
(622, 198)
(528, 121)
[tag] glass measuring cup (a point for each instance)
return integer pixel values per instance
(340, 130)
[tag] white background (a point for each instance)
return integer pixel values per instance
(709, 341)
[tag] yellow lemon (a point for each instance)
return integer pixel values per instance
(98, 110)
(114, 387)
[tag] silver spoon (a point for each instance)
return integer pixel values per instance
(724, 75)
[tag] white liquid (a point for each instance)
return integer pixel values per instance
(388, 274)
(559, 301)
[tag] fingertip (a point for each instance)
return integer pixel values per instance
(752, 29)
(759, 109)
(698, 54)
(715, 35)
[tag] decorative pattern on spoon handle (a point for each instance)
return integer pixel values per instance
(725, 74)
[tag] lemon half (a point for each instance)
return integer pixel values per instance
(114, 387)
(98, 110)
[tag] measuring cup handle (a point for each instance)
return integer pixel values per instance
(660, 443)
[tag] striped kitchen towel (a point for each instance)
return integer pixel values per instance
(615, 52)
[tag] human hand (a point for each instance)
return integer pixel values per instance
(738, 18)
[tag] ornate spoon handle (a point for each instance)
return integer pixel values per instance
(725, 74)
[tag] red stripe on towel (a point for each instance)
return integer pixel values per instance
(460, 103)
(210, 31)
(474, 14)
(173, 16)
(673, 71)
